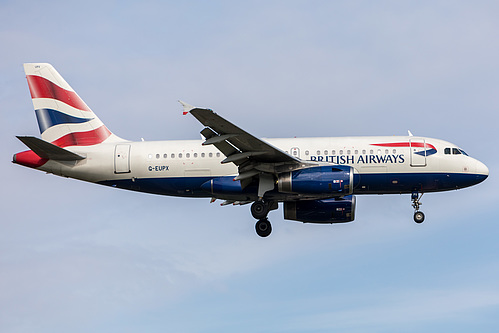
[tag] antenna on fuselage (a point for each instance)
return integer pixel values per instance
(410, 134)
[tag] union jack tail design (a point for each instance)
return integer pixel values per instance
(63, 117)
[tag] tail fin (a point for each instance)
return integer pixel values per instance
(64, 119)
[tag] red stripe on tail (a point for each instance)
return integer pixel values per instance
(88, 138)
(43, 88)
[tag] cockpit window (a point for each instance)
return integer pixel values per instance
(454, 151)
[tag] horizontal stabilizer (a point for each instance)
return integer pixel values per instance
(48, 150)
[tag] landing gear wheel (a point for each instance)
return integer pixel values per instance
(259, 210)
(418, 217)
(416, 203)
(263, 227)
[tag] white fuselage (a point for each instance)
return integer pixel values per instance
(382, 164)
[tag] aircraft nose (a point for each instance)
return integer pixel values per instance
(482, 169)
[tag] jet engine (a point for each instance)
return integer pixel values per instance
(334, 210)
(336, 179)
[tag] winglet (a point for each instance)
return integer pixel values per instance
(187, 107)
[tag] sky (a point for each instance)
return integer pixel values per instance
(78, 257)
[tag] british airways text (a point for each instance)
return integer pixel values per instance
(361, 159)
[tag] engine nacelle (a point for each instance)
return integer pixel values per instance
(222, 185)
(336, 179)
(336, 210)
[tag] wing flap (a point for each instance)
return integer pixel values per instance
(226, 148)
(218, 139)
(237, 157)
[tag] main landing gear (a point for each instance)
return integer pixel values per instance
(263, 227)
(259, 210)
(418, 215)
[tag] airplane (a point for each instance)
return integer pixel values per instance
(315, 179)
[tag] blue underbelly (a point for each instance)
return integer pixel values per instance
(364, 184)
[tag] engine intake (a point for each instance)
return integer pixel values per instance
(335, 210)
(318, 180)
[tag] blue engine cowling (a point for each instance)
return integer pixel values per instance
(335, 210)
(336, 179)
(223, 185)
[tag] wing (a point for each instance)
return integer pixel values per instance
(246, 145)
(252, 155)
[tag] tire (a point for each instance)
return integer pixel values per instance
(418, 217)
(259, 210)
(263, 228)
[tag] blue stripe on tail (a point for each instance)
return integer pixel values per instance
(48, 118)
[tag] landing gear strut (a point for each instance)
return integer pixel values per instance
(259, 210)
(418, 215)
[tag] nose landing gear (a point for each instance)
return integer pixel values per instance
(418, 215)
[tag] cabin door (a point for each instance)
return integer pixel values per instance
(122, 159)
(418, 152)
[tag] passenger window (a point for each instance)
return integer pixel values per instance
(173, 155)
(455, 151)
(386, 151)
(187, 155)
(371, 151)
(307, 152)
(363, 151)
(165, 155)
(295, 152)
(195, 155)
(394, 151)
(210, 154)
(447, 151)
(333, 152)
(318, 152)
(157, 155)
(218, 154)
(202, 154)
(179, 155)
(348, 152)
(325, 152)
(341, 152)
(356, 151)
